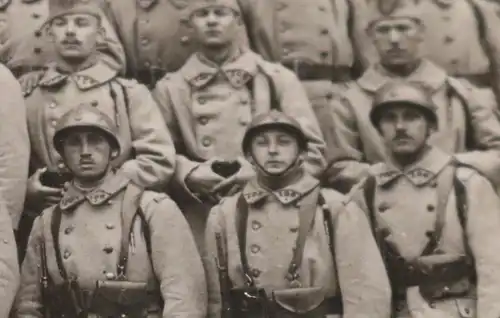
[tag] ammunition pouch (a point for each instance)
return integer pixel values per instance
(438, 276)
(249, 302)
(115, 298)
(304, 303)
(66, 300)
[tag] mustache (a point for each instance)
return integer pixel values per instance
(401, 136)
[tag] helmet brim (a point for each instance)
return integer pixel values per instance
(60, 135)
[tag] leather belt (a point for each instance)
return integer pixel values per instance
(479, 80)
(306, 71)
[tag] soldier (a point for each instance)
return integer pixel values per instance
(322, 41)
(459, 37)
(156, 36)
(147, 156)
(436, 221)
(467, 125)
(209, 103)
(289, 242)
(25, 46)
(108, 249)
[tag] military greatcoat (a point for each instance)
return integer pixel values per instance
(90, 237)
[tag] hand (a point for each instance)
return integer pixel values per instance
(38, 196)
(29, 81)
(234, 183)
(202, 179)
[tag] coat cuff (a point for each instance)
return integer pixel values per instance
(184, 167)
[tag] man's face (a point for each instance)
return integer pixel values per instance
(87, 154)
(75, 36)
(404, 130)
(397, 40)
(275, 150)
(215, 26)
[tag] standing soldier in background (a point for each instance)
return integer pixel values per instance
(437, 222)
(461, 37)
(148, 155)
(155, 35)
(467, 125)
(25, 46)
(211, 100)
(108, 249)
(322, 41)
(286, 247)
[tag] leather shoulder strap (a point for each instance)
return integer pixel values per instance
(130, 210)
(54, 228)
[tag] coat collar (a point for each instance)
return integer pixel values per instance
(85, 79)
(198, 71)
(113, 183)
(426, 74)
(420, 173)
(254, 192)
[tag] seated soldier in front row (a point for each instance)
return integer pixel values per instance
(284, 246)
(436, 221)
(108, 249)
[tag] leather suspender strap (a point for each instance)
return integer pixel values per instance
(54, 227)
(129, 212)
(306, 219)
(445, 181)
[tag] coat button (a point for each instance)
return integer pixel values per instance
(38, 33)
(202, 100)
(255, 272)
(37, 50)
(324, 32)
(68, 230)
(66, 254)
(255, 248)
(431, 207)
(110, 226)
(144, 41)
(206, 142)
(324, 55)
(322, 8)
(35, 15)
(108, 249)
(52, 105)
(109, 276)
(434, 184)
(53, 123)
(429, 234)
(203, 120)
(384, 206)
(448, 39)
(256, 225)
(185, 40)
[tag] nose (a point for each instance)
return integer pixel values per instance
(400, 124)
(211, 19)
(70, 28)
(273, 147)
(85, 148)
(394, 36)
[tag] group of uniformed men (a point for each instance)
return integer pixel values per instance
(249, 158)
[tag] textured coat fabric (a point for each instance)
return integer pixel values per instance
(405, 205)
(357, 143)
(272, 229)
(9, 264)
(14, 146)
(323, 32)
(89, 241)
(207, 110)
(140, 125)
(24, 43)
(154, 33)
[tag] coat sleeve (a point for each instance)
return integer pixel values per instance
(483, 234)
(362, 276)
(14, 146)
(210, 260)
(184, 165)
(110, 48)
(345, 154)
(294, 102)
(485, 155)
(9, 268)
(177, 263)
(154, 161)
(29, 300)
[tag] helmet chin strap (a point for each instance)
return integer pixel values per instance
(289, 171)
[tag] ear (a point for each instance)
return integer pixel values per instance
(101, 33)
(50, 33)
(239, 19)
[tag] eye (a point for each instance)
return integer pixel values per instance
(285, 140)
(201, 13)
(382, 29)
(222, 12)
(60, 21)
(403, 28)
(94, 138)
(261, 141)
(82, 22)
